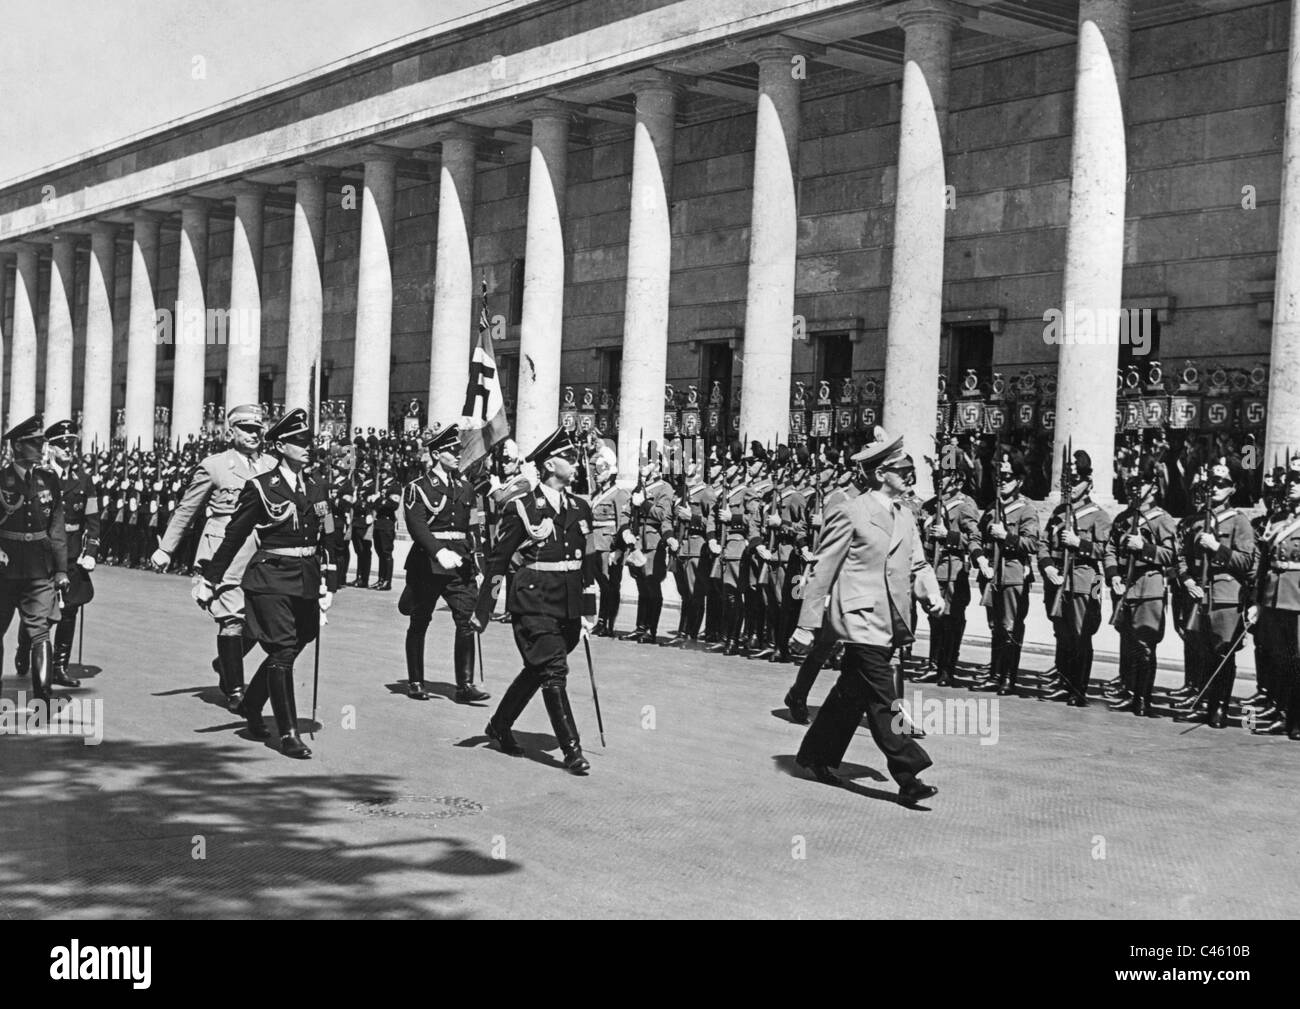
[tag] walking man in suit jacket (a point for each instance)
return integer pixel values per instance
(869, 563)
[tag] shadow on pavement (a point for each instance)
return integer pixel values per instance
(130, 829)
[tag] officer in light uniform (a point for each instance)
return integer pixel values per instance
(213, 494)
(1277, 602)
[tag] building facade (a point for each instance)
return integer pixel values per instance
(728, 201)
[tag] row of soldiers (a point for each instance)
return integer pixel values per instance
(738, 531)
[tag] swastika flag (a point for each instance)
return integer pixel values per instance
(483, 418)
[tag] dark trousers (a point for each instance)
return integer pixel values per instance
(461, 593)
(362, 547)
(544, 644)
(866, 685)
(385, 536)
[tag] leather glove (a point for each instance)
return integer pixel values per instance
(203, 593)
(939, 531)
(588, 625)
(326, 601)
(628, 539)
(1134, 542)
(764, 553)
(715, 547)
(774, 521)
(1117, 585)
(1053, 575)
(986, 569)
(724, 514)
(61, 580)
(160, 559)
(674, 544)
(801, 641)
(638, 499)
(448, 558)
(475, 624)
(683, 513)
(1070, 538)
(86, 562)
(807, 554)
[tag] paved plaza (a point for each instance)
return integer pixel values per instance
(691, 809)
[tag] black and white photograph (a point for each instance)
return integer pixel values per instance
(583, 460)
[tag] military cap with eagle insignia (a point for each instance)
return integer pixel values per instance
(62, 430)
(445, 440)
(293, 426)
(32, 427)
(558, 443)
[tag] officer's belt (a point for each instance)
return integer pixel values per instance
(449, 534)
(604, 525)
(289, 551)
(1285, 566)
(5, 534)
(575, 565)
(72, 528)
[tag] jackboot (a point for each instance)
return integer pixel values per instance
(415, 663)
(557, 707)
(280, 688)
(463, 657)
(39, 663)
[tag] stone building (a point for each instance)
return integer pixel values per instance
(733, 194)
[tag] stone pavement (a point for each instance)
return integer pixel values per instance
(691, 810)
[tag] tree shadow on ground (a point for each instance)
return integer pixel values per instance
(115, 830)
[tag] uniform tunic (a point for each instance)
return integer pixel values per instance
(33, 547)
(282, 581)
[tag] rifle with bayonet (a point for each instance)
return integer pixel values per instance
(1067, 522)
(994, 585)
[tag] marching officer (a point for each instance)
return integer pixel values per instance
(287, 585)
(214, 491)
(1277, 602)
(1078, 531)
(1141, 548)
(440, 564)
(610, 511)
(1009, 530)
(647, 546)
(81, 525)
(552, 597)
(33, 549)
(1220, 552)
(949, 532)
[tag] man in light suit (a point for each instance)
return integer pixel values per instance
(869, 562)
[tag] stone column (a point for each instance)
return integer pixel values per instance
(306, 295)
(649, 263)
(97, 377)
(538, 400)
(1283, 432)
(916, 283)
(190, 323)
(244, 324)
(22, 353)
(1094, 244)
(58, 341)
(4, 278)
(372, 347)
(141, 348)
(453, 277)
(773, 234)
